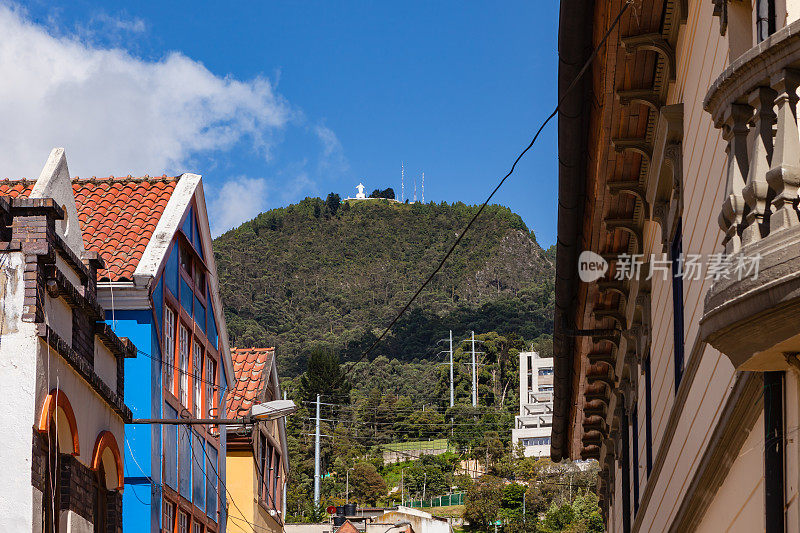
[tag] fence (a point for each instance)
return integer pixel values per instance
(440, 501)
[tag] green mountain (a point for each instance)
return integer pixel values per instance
(336, 273)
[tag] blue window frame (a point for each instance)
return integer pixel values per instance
(171, 271)
(185, 460)
(170, 450)
(198, 475)
(211, 482)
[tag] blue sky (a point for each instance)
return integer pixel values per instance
(275, 101)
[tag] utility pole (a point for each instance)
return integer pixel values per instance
(347, 488)
(424, 483)
(316, 458)
(452, 394)
(524, 497)
(474, 374)
(402, 486)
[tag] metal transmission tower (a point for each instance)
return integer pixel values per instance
(402, 182)
(423, 187)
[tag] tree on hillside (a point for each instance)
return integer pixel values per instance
(332, 203)
(323, 376)
(367, 484)
(386, 193)
(482, 505)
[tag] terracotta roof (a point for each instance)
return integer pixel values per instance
(118, 216)
(347, 527)
(251, 369)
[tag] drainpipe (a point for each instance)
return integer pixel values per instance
(574, 48)
(773, 452)
(765, 19)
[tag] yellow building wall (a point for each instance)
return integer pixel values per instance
(242, 483)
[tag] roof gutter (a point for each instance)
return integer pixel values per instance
(574, 48)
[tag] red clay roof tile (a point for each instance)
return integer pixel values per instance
(118, 216)
(248, 365)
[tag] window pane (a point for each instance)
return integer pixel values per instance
(196, 239)
(211, 482)
(184, 366)
(171, 271)
(199, 314)
(198, 477)
(197, 376)
(158, 300)
(187, 296)
(210, 372)
(169, 517)
(170, 450)
(187, 223)
(185, 462)
(169, 350)
(183, 522)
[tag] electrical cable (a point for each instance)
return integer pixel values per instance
(491, 195)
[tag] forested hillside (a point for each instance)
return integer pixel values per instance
(325, 272)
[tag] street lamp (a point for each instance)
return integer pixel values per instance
(261, 412)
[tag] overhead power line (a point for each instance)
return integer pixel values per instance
(491, 195)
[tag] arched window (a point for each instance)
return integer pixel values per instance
(106, 454)
(57, 421)
(56, 403)
(52, 480)
(100, 500)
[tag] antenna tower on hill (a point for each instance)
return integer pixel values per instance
(423, 187)
(415, 190)
(402, 182)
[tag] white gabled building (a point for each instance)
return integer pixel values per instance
(534, 423)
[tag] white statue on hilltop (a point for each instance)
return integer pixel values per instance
(360, 191)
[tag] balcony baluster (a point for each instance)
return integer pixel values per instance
(784, 176)
(756, 193)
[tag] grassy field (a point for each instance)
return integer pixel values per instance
(449, 511)
(436, 444)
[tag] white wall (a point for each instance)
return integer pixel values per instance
(18, 346)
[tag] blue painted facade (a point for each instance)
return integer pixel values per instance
(173, 466)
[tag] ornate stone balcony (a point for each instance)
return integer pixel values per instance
(755, 321)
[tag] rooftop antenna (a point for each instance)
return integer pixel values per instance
(423, 187)
(402, 182)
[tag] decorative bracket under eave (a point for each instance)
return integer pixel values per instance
(653, 42)
(631, 187)
(628, 225)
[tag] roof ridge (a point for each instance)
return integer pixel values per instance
(126, 179)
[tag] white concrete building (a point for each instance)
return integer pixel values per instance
(535, 420)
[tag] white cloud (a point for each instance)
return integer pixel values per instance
(236, 201)
(118, 114)
(333, 158)
(119, 23)
(330, 142)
